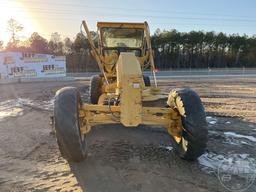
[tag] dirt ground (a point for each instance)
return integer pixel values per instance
(119, 158)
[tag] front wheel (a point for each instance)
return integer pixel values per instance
(193, 140)
(71, 143)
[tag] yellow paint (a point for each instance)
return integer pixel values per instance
(124, 83)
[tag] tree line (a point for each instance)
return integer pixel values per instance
(199, 49)
(172, 49)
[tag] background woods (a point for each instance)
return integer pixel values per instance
(173, 49)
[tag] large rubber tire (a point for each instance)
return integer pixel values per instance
(67, 126)
(146, 81)
(95, 89)
(194, 135)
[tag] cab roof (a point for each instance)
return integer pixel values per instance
(121, 25)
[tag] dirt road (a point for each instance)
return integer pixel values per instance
(124, 159)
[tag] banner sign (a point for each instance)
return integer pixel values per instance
(17, 64)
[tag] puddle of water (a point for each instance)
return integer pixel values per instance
(252, 126)
(237, 142)
(235, 135)
(10, 108)
(213, 132)
(46, 105)
(211, 120)
(11, 113)
(211, 162)
(232, 141)
(233, 138)
(168, 148)
(15, 107)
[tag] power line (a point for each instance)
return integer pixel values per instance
(50, 19)
(127, 9)
(142, 16)
(70, 5)
(61, 15)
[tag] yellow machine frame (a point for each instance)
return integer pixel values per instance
(129, 87)
(122, 94)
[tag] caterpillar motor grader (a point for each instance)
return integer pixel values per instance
(122, 94)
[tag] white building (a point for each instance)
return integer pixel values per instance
(18, 64)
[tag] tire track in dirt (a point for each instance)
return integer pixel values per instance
(31, 175)
(140, 160)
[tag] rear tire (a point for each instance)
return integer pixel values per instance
(194, 135)
(146, 81)
(95, 89)
(67, 124)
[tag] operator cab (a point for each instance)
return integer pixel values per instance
(121, 37)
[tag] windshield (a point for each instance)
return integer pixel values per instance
(119, 37)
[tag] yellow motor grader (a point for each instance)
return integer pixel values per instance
(122, 94)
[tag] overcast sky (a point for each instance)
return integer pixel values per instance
(65, 16)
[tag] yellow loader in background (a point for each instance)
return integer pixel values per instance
(122, 94)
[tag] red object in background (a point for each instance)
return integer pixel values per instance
(156, 70)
